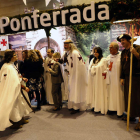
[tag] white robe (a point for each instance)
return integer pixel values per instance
(12, 104)
(77, 81)
(64, 85)
(48, 81)
(97, 89)
(115, 89)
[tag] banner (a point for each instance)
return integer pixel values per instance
(4, 43)
(79, 14)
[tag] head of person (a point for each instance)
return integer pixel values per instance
(39, 54)
(125, 40)
(25, 54)
(69, 45)
(50, 53)
(10, 56)
(33, 57)
(113, 48)
(56, 56)
(97, 53)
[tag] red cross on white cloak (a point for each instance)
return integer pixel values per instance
(50, 64)
(71, 62)
(80, 58)
(110, 66)
(104, 74)
(4, 42)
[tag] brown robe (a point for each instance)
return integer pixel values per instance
(135, 92)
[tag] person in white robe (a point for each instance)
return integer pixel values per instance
(48, 63)
(115, 89)
(77, 77)
(97, 89)
(13, 106)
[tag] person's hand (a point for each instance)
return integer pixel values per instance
(27, 89)
(41, 79)
(133, 50)
(122, 82)
(25, 80)
(56, 59)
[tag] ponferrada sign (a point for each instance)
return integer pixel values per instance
(53, 18)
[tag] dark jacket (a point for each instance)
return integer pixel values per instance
(20, 65)
(1, 63)
(56, 74)
(91, 57)
(32, 69)
(125, 63)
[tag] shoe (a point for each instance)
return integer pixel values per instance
(71, 109)
(56, 109)
(137, 127)
(120, 116)
(44, 103)
(16, 126)
(130, 119)
(111, 112)
(60, 106)
(74, 111)
(23, 121)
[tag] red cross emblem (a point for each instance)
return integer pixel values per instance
(126, 57)
(50, 64)
(110, 66)
(4, 42)
(80, 58)
(104, 74)
(71, 65)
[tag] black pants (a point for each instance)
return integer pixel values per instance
(43, 93)
(57, 95)
(135, 95)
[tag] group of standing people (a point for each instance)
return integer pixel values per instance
(108, 85)
(104, 87)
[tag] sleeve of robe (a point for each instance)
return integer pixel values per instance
(55, 71)
(9, 90)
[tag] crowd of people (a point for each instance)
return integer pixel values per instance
(103, 87)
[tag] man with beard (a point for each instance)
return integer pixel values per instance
(77, 77)
(125, 40)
